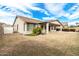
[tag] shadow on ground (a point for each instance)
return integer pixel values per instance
(32, 48)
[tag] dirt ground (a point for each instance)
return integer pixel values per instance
(51, 44)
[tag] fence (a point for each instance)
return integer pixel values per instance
(1, 31)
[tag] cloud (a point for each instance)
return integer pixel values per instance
(76, 12)
(13, 5)
(49, 18)
(39, 9)
(2, 13)
(14, 11)
(7, 19)
(74, 16)
(22, 5)
(33, 7)
(55, 8)
(72, 23)
(21, 8)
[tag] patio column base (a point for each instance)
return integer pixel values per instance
(47, 27)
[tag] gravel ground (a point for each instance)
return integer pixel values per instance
(51, 44)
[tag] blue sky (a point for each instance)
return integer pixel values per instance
(64, 12)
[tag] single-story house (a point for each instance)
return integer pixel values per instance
(77, 24)
(5, 28)
(25, 25)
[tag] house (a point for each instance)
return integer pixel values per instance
(5, 28)
(65, 24)
(53, 25)
(77, 24)
(25, 25)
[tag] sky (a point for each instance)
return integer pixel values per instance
(64, 12)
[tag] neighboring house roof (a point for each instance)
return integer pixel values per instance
(7, 25)
(77, 23)
(1, 23)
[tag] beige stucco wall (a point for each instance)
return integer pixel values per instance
(4, 29)
(8, 30)
(20, 26)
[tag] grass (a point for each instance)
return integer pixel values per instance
(31, 34)
(52, 44)
(77, 28)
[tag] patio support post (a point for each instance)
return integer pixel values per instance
(53, 27)
(47, 27)
(43, 28)
(50, 29)
(25, 28)
(60, 28)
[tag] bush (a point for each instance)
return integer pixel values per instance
(73, 30)
(65, 29)
(37, 30)
(15, 32)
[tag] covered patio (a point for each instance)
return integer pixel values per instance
(52, 26)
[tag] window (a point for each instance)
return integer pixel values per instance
(30, 27)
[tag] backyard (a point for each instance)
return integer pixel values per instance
(51, 44)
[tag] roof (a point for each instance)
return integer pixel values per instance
(29, 20)
(57, 22)
(77, 23)
(65, 23)
(1, 23)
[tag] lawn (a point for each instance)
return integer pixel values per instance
(51, 44)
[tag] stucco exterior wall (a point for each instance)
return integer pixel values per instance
(4, 29)
(20, 24)
(8, 30)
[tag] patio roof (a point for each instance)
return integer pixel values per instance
(55, 22)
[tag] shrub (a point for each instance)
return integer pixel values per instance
(73, 30)
(65, 29)
(37, 30)
(15, 32)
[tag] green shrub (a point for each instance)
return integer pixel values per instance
(73, 30)
(37, 30)
(65, 29)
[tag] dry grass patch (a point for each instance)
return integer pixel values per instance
(55, 43)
